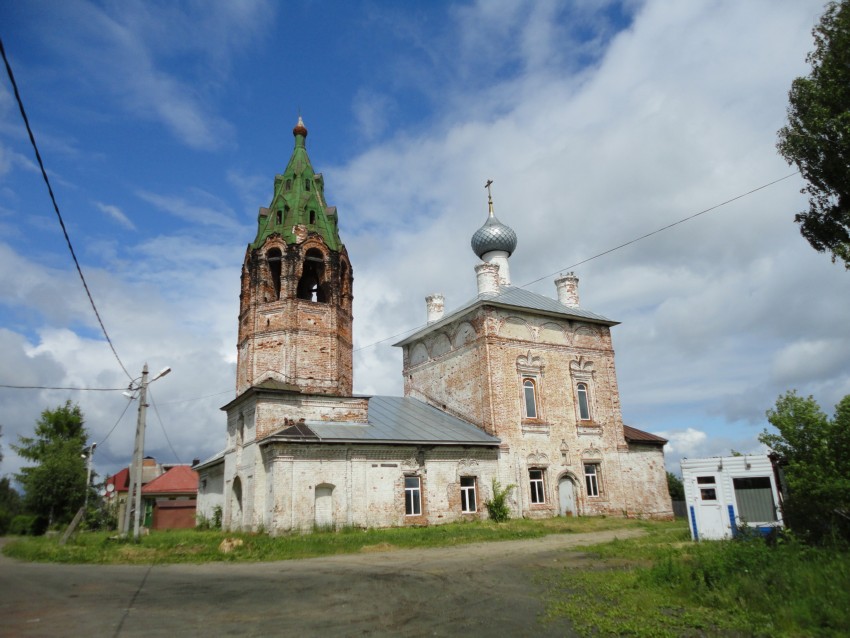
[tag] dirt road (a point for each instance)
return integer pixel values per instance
(484, 589)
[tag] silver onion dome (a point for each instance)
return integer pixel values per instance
(493, 235)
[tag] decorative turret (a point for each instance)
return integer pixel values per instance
(494, 242)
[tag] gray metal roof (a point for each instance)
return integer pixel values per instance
(398, 420)
(218, 457)
(512, 297)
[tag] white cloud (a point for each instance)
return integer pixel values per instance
(674, 114)
(117, 214)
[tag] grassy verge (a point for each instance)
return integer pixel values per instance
(193, 546)
(662, 584)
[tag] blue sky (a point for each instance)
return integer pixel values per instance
(162, 125)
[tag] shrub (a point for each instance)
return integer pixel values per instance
(28, 525)
(497, 506)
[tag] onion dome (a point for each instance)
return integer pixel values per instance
(493, 235)
(300, 129)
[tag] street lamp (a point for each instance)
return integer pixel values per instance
(135, 491)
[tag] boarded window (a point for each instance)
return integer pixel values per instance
(755, 499)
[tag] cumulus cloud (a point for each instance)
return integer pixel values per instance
(598, 122)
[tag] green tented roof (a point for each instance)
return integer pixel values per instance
(299, 199)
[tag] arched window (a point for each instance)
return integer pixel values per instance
(312, 217)
(530, 393)
(583, 401)
(279, 217)
(307, 183)
(312, 286)
(274, 257)
(288, 185)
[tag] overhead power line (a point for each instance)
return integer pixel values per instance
(47, 387)
(56, 206)
(610, 250)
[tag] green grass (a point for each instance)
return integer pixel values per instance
(662, 584)
(195, 546)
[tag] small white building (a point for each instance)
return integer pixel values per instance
(724, 493)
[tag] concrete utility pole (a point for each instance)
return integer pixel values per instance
(88, 472)
(134, 494)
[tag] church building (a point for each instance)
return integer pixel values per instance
(512, 387)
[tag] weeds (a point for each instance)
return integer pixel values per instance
(202, 545)
(665, 585)
(497, 507)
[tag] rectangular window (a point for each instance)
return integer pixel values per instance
(412, 496)
(535, 478)
(755, 499)
(707, 490)
(591, 478)
(467, 494)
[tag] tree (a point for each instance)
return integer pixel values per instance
(55, 486)
(815, 454)
(675, 487)
(817, 136)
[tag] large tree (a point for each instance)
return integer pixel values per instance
(817, 136)
(815, 453)
(55, 486)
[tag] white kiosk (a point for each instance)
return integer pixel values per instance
(724, 493)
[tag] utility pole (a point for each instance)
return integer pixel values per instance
(134, 494)
(88, 473)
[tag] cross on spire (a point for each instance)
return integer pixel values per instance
(489, 196)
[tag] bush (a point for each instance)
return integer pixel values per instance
(497, 506)
(28, 525)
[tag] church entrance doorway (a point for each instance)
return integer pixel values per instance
(566, 497)
(324, 506)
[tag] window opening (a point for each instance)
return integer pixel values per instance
(583, 402)
(312, 217)
(530, 399)
(535, 478)
(755, 499)
(467, 494)
(591, 478)
(274, 258)
(288, 185)
(279, 217)
(709, 492)
(412, 496)
(310, 286)
(307, 183)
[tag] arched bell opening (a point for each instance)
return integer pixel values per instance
(274, 258)
(312, 285)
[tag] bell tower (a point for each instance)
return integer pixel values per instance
(295, 322)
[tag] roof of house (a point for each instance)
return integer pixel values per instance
(218, 457)
(514, 298)
(633, 435)
(393, 420)
(121, 480)
(180, 479)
